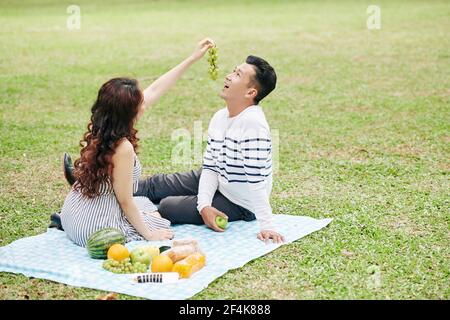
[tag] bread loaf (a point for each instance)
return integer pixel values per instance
(184, 242)
(178, 253)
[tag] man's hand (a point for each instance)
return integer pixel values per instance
(209, 215)
(265, 235)
(201, 48)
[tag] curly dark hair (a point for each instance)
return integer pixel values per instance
(113, 117)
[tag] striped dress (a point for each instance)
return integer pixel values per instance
(81, 216)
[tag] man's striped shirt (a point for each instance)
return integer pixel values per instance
(238, 162)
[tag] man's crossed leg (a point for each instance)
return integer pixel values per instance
(176, 194)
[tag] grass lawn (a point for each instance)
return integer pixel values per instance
(363, 119)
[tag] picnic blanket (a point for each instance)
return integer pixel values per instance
(53, 256)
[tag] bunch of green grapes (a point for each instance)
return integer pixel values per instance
(212, 59)
(124, 266)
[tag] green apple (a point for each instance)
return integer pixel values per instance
(221, 222)
(141, 255)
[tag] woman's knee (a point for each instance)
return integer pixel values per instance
(154, 213)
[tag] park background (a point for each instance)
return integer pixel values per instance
(362, 115)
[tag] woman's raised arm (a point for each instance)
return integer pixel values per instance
(160, 86)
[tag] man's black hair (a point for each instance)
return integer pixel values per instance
(265, 77)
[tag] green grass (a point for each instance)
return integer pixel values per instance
(362, 115)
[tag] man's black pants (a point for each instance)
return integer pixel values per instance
(176, 194)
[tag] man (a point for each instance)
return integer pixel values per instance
(236, 178)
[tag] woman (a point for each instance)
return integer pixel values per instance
(108, 169)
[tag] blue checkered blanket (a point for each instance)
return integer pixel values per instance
(53, 256)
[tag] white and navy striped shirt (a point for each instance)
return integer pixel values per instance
(238, 162)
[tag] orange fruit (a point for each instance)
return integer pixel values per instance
(162, 263)
(118, 252)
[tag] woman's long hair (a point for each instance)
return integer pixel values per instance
(113, 117)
